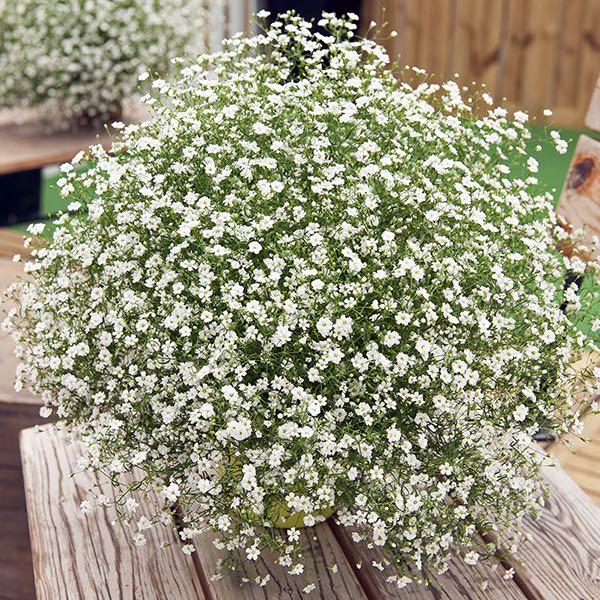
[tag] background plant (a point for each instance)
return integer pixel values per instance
(303, 284)
(81, 58)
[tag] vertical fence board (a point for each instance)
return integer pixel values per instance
(516, 41)
(414, 33)
(592, 118)
(464, 38)
(436, 38)
(539, 60)
(569, 48)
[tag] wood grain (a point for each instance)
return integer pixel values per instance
(13, 418)
(26, 143)
(592, 118)
(563, 560)
(589, 56)
(581, 460)
(79, 557)
(477, 45)
(11, 243)
(461, 581)
(579, 202)
(321, 552)
(538, 53)
(568, 53)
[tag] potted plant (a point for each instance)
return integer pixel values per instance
(78, 60)
(304, 287)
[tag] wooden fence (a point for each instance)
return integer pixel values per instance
(536, 53)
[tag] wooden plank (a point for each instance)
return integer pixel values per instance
(579, 202)
(25, 143)
(11, 243)
(83, 557)
(592, 118)
(460, 581)
(13, 418)
(539, 59)
(322, 554)
(580, 459)
(478, 42)
(569, 48)
(438, 18)
(518, 38)
(395, 17)
(465, 31)
(9, 273)
(249, 9)
(563, 559)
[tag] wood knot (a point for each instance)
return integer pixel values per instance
(584, 172)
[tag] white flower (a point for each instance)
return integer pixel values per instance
(520, 413)
(171, 492)
(239, 429)
(532, 164)
(254, 247)
(391, 338)
(393, 435)
(423, 347)
(324, 326)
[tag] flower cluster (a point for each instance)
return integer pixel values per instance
(304, 286)
(81, 59)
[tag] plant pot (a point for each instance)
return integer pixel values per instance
(282, 518)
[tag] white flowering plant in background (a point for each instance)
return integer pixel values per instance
(78, 59)
(303, 286)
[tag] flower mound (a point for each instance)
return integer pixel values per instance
(304, 286)
(81, 59)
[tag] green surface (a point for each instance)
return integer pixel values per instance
(553, 166)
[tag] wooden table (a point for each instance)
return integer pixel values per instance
(25, 143)
(26, 146)
(83, 557)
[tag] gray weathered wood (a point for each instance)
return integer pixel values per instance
(563, 560)
(461, 581)
(324, 564)
(78, 557)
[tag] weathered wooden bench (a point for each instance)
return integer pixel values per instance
(83, 557)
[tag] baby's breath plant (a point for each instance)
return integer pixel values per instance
(79, 59)
(303, 286)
